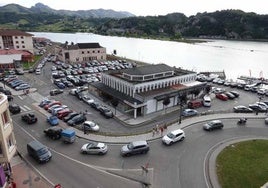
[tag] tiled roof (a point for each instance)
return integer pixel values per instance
(12, 32)
(13, 51)
(88, 45)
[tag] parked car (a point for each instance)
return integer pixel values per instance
(44, 102)
(94, 148)
(214, 124)
(87, 99)
(230, 95)
(136, 147)
(242, 109)
(55, 92)
(77, 120)
(22, 87)
(195, 103)
(235, 93)
(222, 96)
(266, 121)
(29, 118)
(53, 132)
(95, 105)
(91, 126)
(189, 112)
(173, 136)
(51, 104)
(14, 108)
(257, 108)
(63, 113)
(106, 112)
(53, 120)
(70, 116)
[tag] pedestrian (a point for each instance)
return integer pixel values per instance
(157, 128)
(161, 130)
(153, 132)
(165, 126)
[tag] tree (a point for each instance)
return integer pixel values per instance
(166, 102)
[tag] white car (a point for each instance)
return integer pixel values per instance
(94, 148)
(87, 99)
(91, 126)
(173, 136)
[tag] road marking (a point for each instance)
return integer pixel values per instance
(23, 109)
(26, 107)
(20, 97)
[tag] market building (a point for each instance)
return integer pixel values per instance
(143, 90)
(81, 52)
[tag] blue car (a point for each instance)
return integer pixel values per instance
(53, 120)
(60, 85)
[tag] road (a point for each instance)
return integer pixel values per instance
(180, 165)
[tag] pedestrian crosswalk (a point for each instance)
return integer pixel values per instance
(25, 108)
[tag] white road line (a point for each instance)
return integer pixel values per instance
(23, 109)
(20, 97)
(26, 107)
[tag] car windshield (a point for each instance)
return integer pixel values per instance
(170, 135)
(42, 151)
(130, 146)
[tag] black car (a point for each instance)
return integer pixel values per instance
(95, 105)
(55, 92)
(242, 109)
(106, 112)
(257, 108)
(29, 118)
(230, 95)
(70, 116)
(14, 108)
(77, 120)
(53, 132)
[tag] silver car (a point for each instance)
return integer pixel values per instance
(94, 148)
(136, 147)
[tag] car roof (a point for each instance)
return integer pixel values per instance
(177, 131)
(136, 143)
(216, 121)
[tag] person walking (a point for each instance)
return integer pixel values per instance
(161, 130)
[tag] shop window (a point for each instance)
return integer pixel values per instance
(10, 141)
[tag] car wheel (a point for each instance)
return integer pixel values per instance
(171, 143)
(182, 139)
(84, 152)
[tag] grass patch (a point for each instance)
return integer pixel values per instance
(243, 164)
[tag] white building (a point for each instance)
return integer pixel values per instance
(15, 39)
(82, 52)
(142, 90)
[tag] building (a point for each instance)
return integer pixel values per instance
(82, 52)
(11, 58)
(15, 39)
(7, 139)
(143, 90)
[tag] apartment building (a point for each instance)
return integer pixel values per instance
(7, 140)
(15, 39)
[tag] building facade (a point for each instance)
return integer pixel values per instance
(142, 90)
(82, 52)
(7, 139)
(15, 39)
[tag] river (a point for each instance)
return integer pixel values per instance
(236, 58)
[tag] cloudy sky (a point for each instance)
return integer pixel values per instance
(150, 7)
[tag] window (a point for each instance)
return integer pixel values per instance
(82, 52)
(10, 141)
(21, 37)
(5, 118)
(23, 46)
(17, 42)
(93, 51)
(22, 42)
(16, 37)
(17, 46)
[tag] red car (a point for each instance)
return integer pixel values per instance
(222, 96)
(46, 107)
(61, 114)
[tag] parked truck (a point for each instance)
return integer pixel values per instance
(68, 135)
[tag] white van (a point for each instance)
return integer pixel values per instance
(207, 101)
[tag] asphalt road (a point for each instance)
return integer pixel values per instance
(180, 165)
